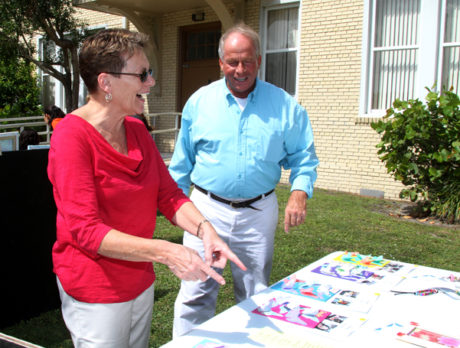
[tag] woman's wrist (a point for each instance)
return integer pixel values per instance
(199, 230)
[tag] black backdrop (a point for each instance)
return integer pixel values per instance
(27, 233)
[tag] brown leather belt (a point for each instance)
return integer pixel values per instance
(233, 204)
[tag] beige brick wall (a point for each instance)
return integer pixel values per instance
(99, 19)
(169, 49)
(168, 77)
(329, 88)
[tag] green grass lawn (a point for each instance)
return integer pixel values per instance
(335, 221)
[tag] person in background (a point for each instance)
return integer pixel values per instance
(142, 117)
(108, 181)
(53, 115)
(28, 137)
(235, 136)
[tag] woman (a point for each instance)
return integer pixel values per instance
(53, 116)
(108, 181)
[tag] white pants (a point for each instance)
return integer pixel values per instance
(114, 325)
(250, 234)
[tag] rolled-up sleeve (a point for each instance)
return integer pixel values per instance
(301, 156)
(183, 159)
(71, 172)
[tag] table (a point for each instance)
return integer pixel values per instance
(13, 342)
(342, 300)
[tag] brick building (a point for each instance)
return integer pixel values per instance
(344, 61)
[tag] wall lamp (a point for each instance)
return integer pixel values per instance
(198, 17)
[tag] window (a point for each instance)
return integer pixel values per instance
(450, 75)
(53, 92)
(202, 45)
(410, 45)
(280, 46)
(48, 90)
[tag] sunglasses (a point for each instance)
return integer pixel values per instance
(142, 76)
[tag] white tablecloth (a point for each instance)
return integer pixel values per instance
(340, 301)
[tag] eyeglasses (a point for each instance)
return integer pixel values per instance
(142, 76)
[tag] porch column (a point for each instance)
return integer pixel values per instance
(222, 12)
(150, 26)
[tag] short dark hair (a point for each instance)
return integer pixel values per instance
(54, 112)
(108, 50)
(28, 137)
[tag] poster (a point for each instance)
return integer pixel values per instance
(291, 312)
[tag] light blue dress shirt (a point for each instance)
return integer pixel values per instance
(239, 154)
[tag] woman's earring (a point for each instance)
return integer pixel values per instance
(108, 97)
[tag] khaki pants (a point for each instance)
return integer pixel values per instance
(250, 234)
(114, 325)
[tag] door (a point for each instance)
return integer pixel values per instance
(199, 58)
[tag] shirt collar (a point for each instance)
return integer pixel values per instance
(251, 95)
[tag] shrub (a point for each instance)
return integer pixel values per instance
(19, 90)
(420, 146)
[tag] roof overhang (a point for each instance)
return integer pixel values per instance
(159, 7)
(145, 15)
(150, 7)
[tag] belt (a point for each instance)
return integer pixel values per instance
(233, 204)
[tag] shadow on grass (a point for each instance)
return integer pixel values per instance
(160, 293)
(47, 330)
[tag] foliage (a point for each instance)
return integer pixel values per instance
(335, 221)
(22, 20)
(18, 88)
(420, 146)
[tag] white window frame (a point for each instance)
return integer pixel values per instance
(443, 45)
(59, 95)
(429, 68)
(267, 5)
(59, 92)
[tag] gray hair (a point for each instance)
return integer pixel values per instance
(245, 30)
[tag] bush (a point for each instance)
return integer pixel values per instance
(420, 146)
(19, 91)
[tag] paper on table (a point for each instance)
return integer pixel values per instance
(206, 343)
(423, 337)
(355, 301)
(271, 338)
(355, 273)
(362, 260)
(288, 311)
(316, 291)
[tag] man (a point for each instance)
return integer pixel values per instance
(236, 134)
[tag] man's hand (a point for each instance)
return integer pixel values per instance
(296, 209)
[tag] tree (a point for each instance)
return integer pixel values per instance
(18, 88)
(22, 20)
